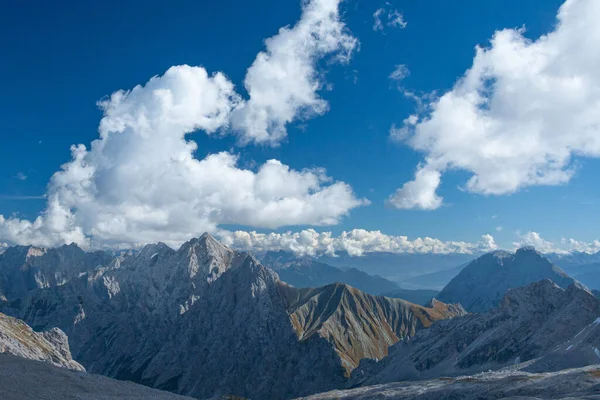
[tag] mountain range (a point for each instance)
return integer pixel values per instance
(398, 267)
(303, 272)
(582, 266)
(166, 318)
(210, 322)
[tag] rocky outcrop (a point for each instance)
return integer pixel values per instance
(530, 323)
(482, 284)
(207, 321)
(52, 346)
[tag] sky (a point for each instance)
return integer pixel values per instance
(322, 125)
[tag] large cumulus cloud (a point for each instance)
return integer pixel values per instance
(517, 117)
(143, 180)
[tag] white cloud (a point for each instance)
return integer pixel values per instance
(583, 247)
(283, 82)
(534, 239)
(392, 18)
(499, 228)
(355, 242)
(21, 176)
(566, 245)
(400, 72)
(419, 193)
(139, 182)
(518, 116)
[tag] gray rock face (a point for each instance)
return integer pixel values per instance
(52, 347)
(530, 323)
(207, 321)
(24, 268)
(25, 379)
(583, 383)
(482, 284)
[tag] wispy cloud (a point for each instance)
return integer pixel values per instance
(384, 16)
(21, 176)
(400, 72)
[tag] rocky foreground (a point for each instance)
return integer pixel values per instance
(22, 379)
(582, 383)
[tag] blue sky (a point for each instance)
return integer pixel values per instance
(60, 59)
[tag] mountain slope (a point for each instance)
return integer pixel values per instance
(207, 321)
(530, 323)
(482, 284)
(52, 346)
(357, 324)
(25, 379)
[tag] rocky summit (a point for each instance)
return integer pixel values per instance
(207, 321)
(482, 284)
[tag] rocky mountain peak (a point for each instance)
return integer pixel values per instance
(155, 249)
(482, 284)
(205, 254)
(34, 252)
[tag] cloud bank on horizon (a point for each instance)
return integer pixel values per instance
(517, 117)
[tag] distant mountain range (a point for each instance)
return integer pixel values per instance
(305, 272)
(582, 266)
(398, 267)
